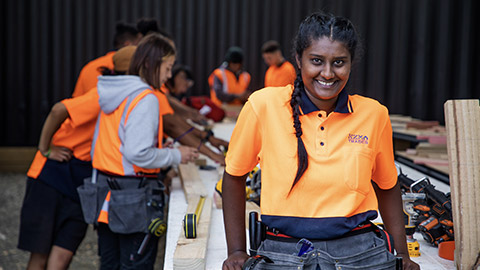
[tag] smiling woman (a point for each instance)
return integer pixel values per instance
(325, 69)
(317, 174)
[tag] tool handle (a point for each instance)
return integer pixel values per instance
(252, 228)
(141, 249)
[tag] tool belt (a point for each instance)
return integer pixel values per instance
(259, 231)
(134, 201)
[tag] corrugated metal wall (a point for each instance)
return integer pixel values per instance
(418, 53)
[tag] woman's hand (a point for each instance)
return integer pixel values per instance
(198, 118)
(218, 142)
(188, 153)
(218, 158)
(60, 154)
(235, 261)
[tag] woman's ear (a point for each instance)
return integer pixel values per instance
(299, 62)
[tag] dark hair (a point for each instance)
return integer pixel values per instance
(314, 27)
(148, 58)
(146, 25)
(150, 25)
(234, 55)
(270, 46)
(124, 32)
(177, 68)
(109, 72)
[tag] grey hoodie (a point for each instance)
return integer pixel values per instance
(140, 134)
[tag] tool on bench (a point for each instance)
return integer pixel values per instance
(190, 221)
(434, 220)
(411, 221)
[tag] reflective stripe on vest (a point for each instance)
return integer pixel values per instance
(232, 86)
(103, 217)
(107, 145)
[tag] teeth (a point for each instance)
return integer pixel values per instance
(325, 83)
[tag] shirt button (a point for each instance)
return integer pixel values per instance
(322, 128)
(321, 143)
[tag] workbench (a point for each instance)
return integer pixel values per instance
(217, 248)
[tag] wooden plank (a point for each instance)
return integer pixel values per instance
(462, 118)
(422, 124)
(191, 253)
(437, 164)
(400, 118)
(16, 159)
(191, 182)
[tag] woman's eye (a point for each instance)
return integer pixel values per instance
(338, 62)
(316, 60)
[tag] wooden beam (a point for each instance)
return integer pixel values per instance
(462, 118)
(191, 182)
(191, 253)
(16, 159)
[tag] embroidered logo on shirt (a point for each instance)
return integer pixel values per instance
(356, 138)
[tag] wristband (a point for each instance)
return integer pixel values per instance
(48, 153)
(204, 140)
(209, 134)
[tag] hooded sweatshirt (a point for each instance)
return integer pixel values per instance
(139, 136)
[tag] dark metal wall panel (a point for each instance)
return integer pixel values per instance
(417, 54)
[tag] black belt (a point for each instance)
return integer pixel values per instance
(139, 176)
(273, 234)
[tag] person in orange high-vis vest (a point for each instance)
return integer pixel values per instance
(229, 83)
(59, 167)
(125, 35)
(280, 72)
(127, 153)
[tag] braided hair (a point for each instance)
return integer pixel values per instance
(314, 27)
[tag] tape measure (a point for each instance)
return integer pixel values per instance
(157, 227)
(190, 221)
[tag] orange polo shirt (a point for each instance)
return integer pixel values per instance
(345, 150)
(280, 75)
(88, 77)
(76, 132)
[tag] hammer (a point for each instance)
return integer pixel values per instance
(190, 221)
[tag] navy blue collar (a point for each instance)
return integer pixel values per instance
(343, 104)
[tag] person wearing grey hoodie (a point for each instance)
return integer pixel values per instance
(126, 152)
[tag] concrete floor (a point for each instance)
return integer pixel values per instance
(12, 190)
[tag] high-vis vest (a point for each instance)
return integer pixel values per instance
(108, 139)
(229, 82)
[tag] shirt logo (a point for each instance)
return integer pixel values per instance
(357, 138)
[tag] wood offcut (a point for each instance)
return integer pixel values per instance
(462, 118)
